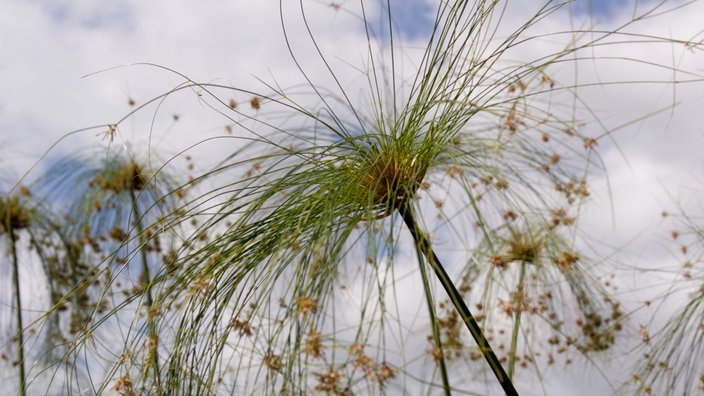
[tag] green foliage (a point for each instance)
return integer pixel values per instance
(283, 267)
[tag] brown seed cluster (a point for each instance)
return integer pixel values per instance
(387, 178)
(13, 215)
(329, 382)
(129, 177)
(306, 306)
(314, 346)
(273, 362)
(572, 190)
(123, 386)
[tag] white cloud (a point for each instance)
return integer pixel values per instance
(48, 46)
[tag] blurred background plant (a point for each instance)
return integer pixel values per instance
(32, 248)
(670, 350)
(116, 209)
(297, 262)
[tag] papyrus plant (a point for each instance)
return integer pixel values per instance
(31, 249)
(116, 207)
(325, 190)
(670, 351)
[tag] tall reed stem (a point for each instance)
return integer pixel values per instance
(433, 322)
(18, 301)
(423, 244)
(153, 335)
(518, 306)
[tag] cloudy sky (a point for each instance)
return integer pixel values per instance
(66, 65)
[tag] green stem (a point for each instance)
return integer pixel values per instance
(423, 244)
(153, 337)
(518, 303)
(18, 301)
(433, 321)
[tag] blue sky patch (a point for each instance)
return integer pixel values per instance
(412, 19)
(598, 7)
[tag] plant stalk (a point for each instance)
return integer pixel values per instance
(423, 244)
(518, 301)
(153, 336)
(433, 322)
(18, 301)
